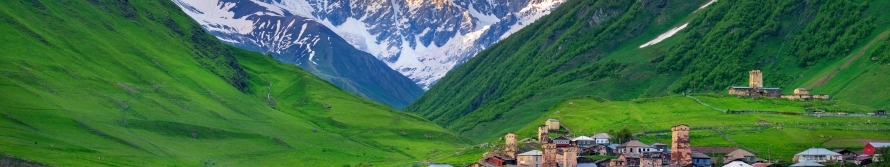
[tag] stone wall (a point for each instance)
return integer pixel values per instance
(806, 97)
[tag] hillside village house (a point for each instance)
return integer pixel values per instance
(871, 147)
(756, 90)
(739, 155)
(552, 124)
(602, 138)
(530, 159)
(818, 155)
(584, 141)
(807, 164)
(700, 159)
(634, 146)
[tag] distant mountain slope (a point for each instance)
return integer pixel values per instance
(139, 83)
(421, 39)
(594, 48)
(292, 39)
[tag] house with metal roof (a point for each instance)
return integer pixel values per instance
(873, 147)
(583, 141)
(818, 155)
(602, 138)
(807, 164)
(531, 158)
(562, 142)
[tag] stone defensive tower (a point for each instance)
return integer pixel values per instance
(543, 135)
(755, 79)
(681, 152)
(510, 145)
(549, 155)
(570, 157)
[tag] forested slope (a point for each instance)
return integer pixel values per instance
(589, 47)
(138, 83)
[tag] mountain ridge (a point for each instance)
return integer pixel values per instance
(298, 40)
(592, 48)
(139, 83)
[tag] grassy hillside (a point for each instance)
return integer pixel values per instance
(588, 47)
(138, 83)
(655, 116)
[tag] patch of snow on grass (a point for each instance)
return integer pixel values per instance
(706, 5)
(664, 36)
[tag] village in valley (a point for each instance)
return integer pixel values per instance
(563, 151)
(556, 146)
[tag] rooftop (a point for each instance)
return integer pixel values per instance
(737, 164)
(696, 154)
(879, 144)
(602, 136)
(532, 152)
(634, 143)
(582, 138)
(817, 151)
(807, 164)
(552, 120)
(740, 153)
(762, 164)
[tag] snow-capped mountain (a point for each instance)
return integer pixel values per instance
(422, 39)
(299, 40)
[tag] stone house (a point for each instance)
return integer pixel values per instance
(530, 159)
(739, 155)
(633, 146)
(552, 124)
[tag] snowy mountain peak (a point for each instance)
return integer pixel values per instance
(422, 39)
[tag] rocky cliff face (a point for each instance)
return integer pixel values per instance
(299, 40)
(422, 39)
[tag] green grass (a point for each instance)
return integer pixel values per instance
(657, 115)
(518, 79)
(781, 105)
(146, 95)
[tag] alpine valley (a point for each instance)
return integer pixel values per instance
(555, 83)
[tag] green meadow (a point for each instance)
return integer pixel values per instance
(138, 83)
(651, 118)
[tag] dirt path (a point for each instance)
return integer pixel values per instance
(822, 81)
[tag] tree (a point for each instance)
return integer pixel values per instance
(884, 157)
(624, 135)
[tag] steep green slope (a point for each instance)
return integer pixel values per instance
(138, 83)
(589, 47)
(653, 118)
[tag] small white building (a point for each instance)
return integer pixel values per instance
(602, 138)
(818, 155)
